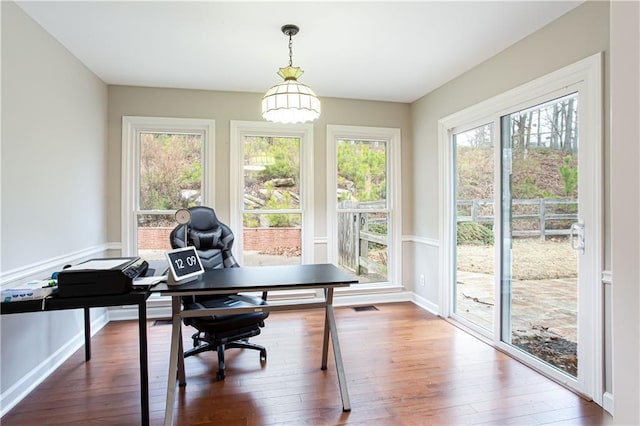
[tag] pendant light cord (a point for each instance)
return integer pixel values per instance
(290, 50)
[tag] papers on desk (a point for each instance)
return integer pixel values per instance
(146, 281)
(37, 289)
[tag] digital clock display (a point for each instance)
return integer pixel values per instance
(184, 263)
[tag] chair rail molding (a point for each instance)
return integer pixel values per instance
(432, 242)
(45, 267)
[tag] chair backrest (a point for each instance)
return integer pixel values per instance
(211, 238)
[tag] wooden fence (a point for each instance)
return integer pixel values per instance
(530, 217)
(357, 237)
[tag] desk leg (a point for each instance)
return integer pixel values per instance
(87, 334)
(325, 334)
(182, 381)
(173, 361)
(330, 320)
(144, 364)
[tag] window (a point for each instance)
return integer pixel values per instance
(167, 164)
(364, 202)
(271, 193)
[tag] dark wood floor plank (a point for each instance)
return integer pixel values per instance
(404, 366)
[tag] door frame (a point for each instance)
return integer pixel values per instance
(586, 76)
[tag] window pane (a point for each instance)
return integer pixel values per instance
(271, 173)
(363, 244)
(153, 235)
(540, 204)
(170, 178)
(272, 220)
(362, 172)
(272, 239)
(170, 171)
(474, 274)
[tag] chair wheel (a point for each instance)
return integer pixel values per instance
(263, 355)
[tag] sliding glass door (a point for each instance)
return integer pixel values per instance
(521, 232)
(473, 295)
(541, 232)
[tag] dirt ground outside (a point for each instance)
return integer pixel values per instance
(543, 296)
(533, 259)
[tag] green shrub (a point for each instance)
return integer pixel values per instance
(474, 233)
(569, 176)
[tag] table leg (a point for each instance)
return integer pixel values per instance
(342, 379)
(173, 361)
(182, 381)
(144, 364)
(87, 334)
(325, 334)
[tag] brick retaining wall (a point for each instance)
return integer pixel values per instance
(263, 238)
(254, 238)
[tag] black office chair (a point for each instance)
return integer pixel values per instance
(213, 241)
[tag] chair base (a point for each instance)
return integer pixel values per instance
(203, 346)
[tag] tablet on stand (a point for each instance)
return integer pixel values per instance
(184, 265)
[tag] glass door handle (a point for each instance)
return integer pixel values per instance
(576, 236)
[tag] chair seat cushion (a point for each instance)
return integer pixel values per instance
(219, 323)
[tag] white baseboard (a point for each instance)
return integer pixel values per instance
(371, 299)
(123, 313)
(425, 304)
(19, 390)
(607, 402)
(162, 309)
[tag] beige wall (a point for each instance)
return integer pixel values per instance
(580, 33)
(574, 36)
(226, 106)
(53, 184)
(625, 211)
(56, 116)
(53, 146)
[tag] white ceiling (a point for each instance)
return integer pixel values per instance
(392, 51)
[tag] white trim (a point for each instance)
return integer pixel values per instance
(446, 225)
(607, 402)
(45, 267)
(394, 193)
(162, 309)
(131, 128)
(431, 242)
(425, 304)
(371, 298)
(584, 76)
(239, 129)
(607, 278)
(27, 383)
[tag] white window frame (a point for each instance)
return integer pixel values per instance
(132, 126)
(238, 130)
(585, 77)
(392, 136)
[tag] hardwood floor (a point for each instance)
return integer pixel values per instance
(404, 366)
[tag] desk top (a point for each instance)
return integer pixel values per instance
(55, 303)
(262, 279)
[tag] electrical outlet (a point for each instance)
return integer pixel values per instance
(421, 280)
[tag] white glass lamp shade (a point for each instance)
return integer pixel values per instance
(290, 101)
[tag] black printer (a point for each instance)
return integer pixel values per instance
(100, 277)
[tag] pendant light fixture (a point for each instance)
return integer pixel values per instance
(290, 101)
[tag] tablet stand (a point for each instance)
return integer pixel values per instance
(173, 281)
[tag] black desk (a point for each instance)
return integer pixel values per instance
(53, 303)
(270, 278)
